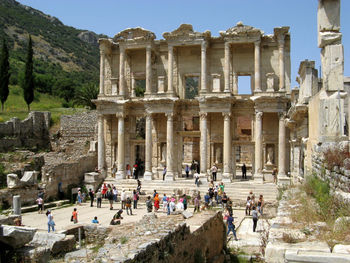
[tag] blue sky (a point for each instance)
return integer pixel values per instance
(112, 16)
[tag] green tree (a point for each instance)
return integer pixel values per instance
(85, 94)
(28, 81)
(4, 74)
(64, 88)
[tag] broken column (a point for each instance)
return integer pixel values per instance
(16, 204)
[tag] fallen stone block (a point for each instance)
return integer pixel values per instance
(57, 243)
(294, 256)
(16, 236)
(187, 214)
(77, 256)
(8, 220)
(13, 181)
(33, 254)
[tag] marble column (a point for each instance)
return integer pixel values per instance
(258, 176)
(204, 67)
(234, 130)
(16, 204)
(122, 72)
(148, 156)
(148, 70)
(227, 174)
(133, 86)
(170, 69)
(203, 144)
(121, 147)
(282, 87)
(100, 143)
(227, 67)
(257, 87)
(102, 72)
(170, 175)
(281, 178)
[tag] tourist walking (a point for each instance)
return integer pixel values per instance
(134, 171)
(156, 203)
(92, 196)
(187, 170)
(255, 218)
(185, 202)
(261, 204)
(193, 168)
(196, 180)
(50, 222)
(274, 174)
(123, 199)
(214, 171)
(165, 203)
(128, 171)
(128, 205)
(40, 202)
(197, 203)
(110, 198)
(172, 205)
(99, 198)
(135, 198)
(115, 194)
(116, 220)
(80, 197)
(164, 173)
(247, 206)
(104, 190)
(138, 187)
(224, 199)
(231, 227)
(244, 171)
(74, 217)
(149, 204)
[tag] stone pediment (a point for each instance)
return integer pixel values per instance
(137, 34)
(186, 32)
(241, 31)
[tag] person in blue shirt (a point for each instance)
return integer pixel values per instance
(231, 227)
(95, 221)
(206, 200)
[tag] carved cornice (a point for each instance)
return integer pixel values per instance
(240, 32)
(186, 32)
(105, 45)
(280, 33)
(137, 34)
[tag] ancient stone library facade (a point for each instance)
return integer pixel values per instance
(171, 101)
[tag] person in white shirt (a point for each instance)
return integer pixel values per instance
(123, 199)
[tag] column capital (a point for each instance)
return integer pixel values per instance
(282, 115)
(120, 115)
(203, 115)
(170, 115)
(148, 48)
(204, 45)
(149, 116)
(258, 114)
(257, 43)
(227, 115)
(280, 41)
(227, 45)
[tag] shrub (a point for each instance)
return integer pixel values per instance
(335, 156)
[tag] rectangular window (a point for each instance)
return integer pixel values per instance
(244, 85)
(191, 87)
(140, 87)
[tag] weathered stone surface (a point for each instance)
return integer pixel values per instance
(12, 181)
(295, 256)
(328, 15)
(15, 236)
(344, 249)
(29, 177)
(57, 243)
(329, 38)
(95, 233)
(332, 58)
(8, 220)
(33, 254)
(78, 256)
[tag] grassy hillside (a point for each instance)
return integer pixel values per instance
(15, 106)
(62, 54)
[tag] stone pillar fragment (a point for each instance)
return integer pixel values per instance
(102, 73)
(148, 156)
(258, 176)
(227, 174)
(170, 69)
(257, 87)
(227, 67)
(101, 144)
(16, 204)
(148, 70)
(203, 144)
(204, 67)
(121, 147)
(122, 72)
(170, 175)
(282, 177)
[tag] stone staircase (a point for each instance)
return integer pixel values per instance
(238, 190)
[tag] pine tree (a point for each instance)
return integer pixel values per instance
(4, 74)
(28, 82)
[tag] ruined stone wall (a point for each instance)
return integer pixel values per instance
(83, 125)
(33, 132)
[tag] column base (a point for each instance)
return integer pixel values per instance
(226, 177)
(283, 180)
(170, 176)
(258, 178)
(148, 176)
(104, 173)
(120, 175)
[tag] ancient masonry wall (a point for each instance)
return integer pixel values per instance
(339, 177)
(79, 126)
(33, 132)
